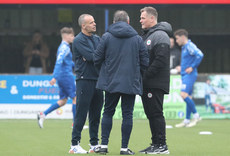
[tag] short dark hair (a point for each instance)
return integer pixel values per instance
(120, 15)
(67, 30)
(181, 32)
(150, 11)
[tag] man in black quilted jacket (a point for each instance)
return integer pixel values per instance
(156, 78)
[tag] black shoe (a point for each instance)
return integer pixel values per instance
(100, 150)
(160, 149)
(128, 152)
(147, 149)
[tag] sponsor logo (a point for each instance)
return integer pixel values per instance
(36, 83)
(3, 84)
(180, 114)
(148, 42)
(150, 95)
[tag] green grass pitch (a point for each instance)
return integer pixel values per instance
(25, 138)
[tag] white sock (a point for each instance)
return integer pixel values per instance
(104, 146)
(196, 116)
(186, 121)
(124, 149)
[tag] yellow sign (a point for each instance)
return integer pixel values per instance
(65, 16)
(3, 84)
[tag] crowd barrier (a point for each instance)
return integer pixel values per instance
(23, 96)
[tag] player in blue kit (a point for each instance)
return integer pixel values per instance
(63, 74)
(191, 57)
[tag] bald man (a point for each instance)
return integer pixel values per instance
(89, 99)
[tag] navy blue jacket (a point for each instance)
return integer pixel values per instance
(84, 47)
(121, 55)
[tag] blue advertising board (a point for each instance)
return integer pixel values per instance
(27, 89)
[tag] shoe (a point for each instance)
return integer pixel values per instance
(198, 119)
(93, 148)
(149, 149)
(101, 150)
(158, 149)
(144, 150)
(194, 122)
(128, 152)
(182, 124)
(77, 149)
(40, 118)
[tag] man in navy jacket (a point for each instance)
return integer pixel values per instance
(89, 99)
(121, 55)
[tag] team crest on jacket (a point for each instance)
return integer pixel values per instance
(148, 42)
(150, 95)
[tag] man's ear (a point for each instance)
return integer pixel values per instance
(83, 26)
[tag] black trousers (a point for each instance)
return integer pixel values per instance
(127, 104)
(152, 100)
(89, 101)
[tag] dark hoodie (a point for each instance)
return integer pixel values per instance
(158, 44)
(120, 56)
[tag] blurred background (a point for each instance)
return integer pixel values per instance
(207, 24)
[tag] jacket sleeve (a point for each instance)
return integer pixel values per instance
(59, 61)
(144, 56)
(99, 55)
(82, 47)
(197, 54)
(161, 59)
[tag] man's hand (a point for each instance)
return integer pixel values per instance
(53, 81)
(178, 68)
(189, 70)
(83, 59)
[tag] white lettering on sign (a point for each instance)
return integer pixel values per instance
(35, 83)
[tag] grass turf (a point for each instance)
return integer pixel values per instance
(25, 138)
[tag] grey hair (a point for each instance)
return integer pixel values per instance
(81, 19)
(120, 15)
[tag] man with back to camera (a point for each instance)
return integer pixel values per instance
(191, 57)
(89, 99)
(121, 55)
(63, 74)
(156, 77)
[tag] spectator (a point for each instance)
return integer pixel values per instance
(36, 52)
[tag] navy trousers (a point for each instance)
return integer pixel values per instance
(127, 104)
(89, 101)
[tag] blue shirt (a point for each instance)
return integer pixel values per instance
(64, 63)
(191, 56)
